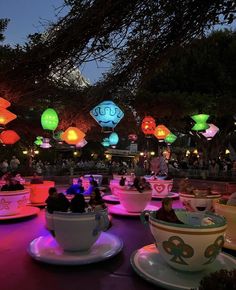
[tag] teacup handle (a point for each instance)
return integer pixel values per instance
(145, 217)
(100, 225)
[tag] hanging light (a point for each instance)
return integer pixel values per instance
(49, 119)
(38, 141)
(46, 143)
(9, 137)
(72, 135)
(6, 116)
(148, 126)
(113, 139)
(161, 132)
(107, 114)
(200, 120)
(170, 138)
(4, 103)
(132, 137)
(81, 144)
(106, 142)
(210, 132)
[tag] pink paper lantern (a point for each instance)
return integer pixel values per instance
(210, 132)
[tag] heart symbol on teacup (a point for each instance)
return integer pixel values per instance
(159, 187)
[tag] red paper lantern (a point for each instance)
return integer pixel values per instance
(9, 137)
(161, 132)
(6, 116)
(148, 125)
(72, 135)
(4, 103)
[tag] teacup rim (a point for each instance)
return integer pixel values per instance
(222, 221)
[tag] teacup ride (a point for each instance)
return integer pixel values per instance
(39, 192)
(13, 204)
(161, 187)
(78, 239)
(200, 200)
(132, 202)
(229, 212)
(183, 253)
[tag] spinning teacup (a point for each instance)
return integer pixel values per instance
(39, 192)
(11, 202)
(160, 187)
(133, 200)
(191, 246)
(78, 232)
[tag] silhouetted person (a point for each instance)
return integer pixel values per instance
(122, 181)
(166, 212)
(56, 201)
(76, 188)
(96, 201)
(78, 203)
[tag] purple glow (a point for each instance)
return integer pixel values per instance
(210, 132)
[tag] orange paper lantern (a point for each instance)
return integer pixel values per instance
(4, 103)
(148, 125)
(72, 135)
(6, 116)
(9, 137)
(161, 132)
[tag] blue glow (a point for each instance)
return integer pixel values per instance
(113, 138)
(106, 142)
(107, 114)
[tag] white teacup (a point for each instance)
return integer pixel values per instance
(190, 246)
(76, 231)
(133, 200)
(229, 212)
(11, 202)
(199, 203)
(160, 187)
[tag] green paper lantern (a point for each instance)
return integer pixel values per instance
(200, 118)
(170, 138)
(49, 119)
(38, 141)
(200, 127)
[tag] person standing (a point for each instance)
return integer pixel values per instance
(14, 163)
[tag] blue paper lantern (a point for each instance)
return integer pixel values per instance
(106, 142)
(113, 139)
(107, 114)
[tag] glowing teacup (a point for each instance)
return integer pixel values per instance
(78, 232)
(133, 200)
(199, 203)
(160, 187)
(39, 192)
(191, 246)
(11, 202)
(229, 212)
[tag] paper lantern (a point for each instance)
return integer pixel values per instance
(106, 142)
(4, 103)
(107, 114)
(49, 119)
(9, 137)
(148, 126)
(6, 116)
(170, 138)
(72, 135)
(46, 143)
(81, 144)
(38, 141)
(210, 132)
(113, 139)
(161, 132)
(200, 120)
(133, 137)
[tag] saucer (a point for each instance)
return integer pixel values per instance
(148, 263)
(25, 212)
(170, 194)
(111, 198)
(120, 210)
(47, 250)
(230, 243)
